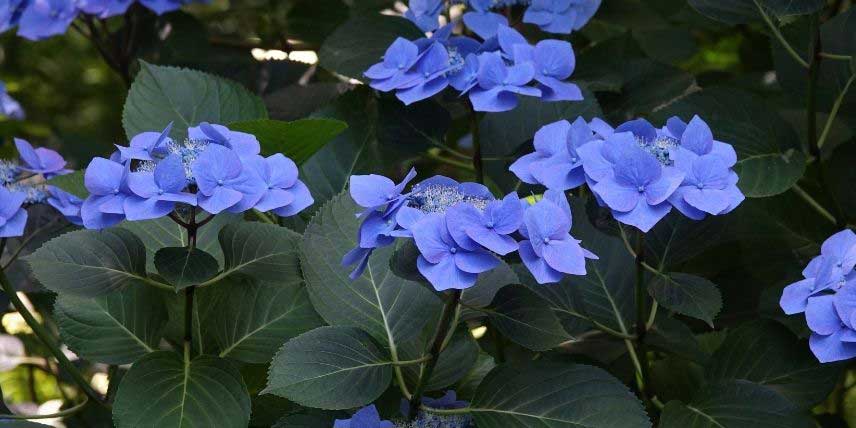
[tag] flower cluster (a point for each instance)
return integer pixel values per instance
(215, 168)
(552, 16)
(367, 417)
(40, 19)
(827, 296)
(8, 106)
(23, 184)
(460, 229)
(492, 72)
(638, 171)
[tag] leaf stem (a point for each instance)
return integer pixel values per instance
(46, 337)
(443, 328)
(834, 112)
(814, 204)
(189, 292)
(63, 413)
(478, 163)
(837, 57)
(641, 360)
(793, 53)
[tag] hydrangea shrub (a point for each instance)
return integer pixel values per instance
(502, 214)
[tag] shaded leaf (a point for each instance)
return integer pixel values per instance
(183, 267)
(687, 294)
(71, 183)
(454, 362)
(297, 140)
(265, 252)
(525, 318)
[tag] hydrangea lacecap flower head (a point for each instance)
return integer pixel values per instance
(367, 417)
(424, 13)
(147, 145)
(425, 419)
(8, 106)
(13, 217)
(67, 204)
(482, 20)
(555, 163)
(827, 296)
(41, 160)
(560, 16)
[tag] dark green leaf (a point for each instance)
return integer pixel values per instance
(71, 183)
(687, 294)
(466, 387)
(674, 337)
(254, 319)
(454, 362)
(161, 390)
(557, 396)
(525, 318)
(362, 41)
(770, 159)
(266, 252)
(161, 95)
(183, 267)
(487, 285)
(389, 308)
(117, 328)
(734, 404)
(767, 353)
(90, 263)
(330, 368)
(297, 140)
(743, 11)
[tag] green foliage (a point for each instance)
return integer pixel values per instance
(687, 294)
(183, 267)
(298, 140)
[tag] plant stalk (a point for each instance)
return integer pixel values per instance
(641, 361)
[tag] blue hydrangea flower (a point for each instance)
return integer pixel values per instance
(367, 417)
(829, 272)
(430, 420)
(553, 62)
(549, 251)
(9, 172)
(163, 6)
(13, 217)
(560, 16)
(830, 318)
(156, 193)
(284, 194)
(466, 76)
(104, 8)
(499, 84)
(40, 161)
(67, 204)
(374, 191)
(481, 20)
(241, 143)
(147, 145)
(472, 228)
(45, 18)
(428, 76)
(392, 72)
(442, 261)
(107, 183)
(33, 193)
(8, 106)
(10, 13)
(555, 163)
(224, 183)
(424, 13)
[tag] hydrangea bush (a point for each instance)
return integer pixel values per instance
(467, 214)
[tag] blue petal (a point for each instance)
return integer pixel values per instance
(485, 24)
(370, 191)
(445, 274)
(830, 348)
(644, 216)
(618, 196)
(459, 219)
(820, 315)
(432, 238)
(697, 137)
(219, 199)
(539, 268)
(475, 261)
(641, 128)
(565, 256)
(302, 200)
(795, 296)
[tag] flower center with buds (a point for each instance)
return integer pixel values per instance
(453, 250)
(641, 189)
(438, 198)
(659, 148)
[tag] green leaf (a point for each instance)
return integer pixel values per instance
(163, 94)
(161, 390)
(305, 421)
(487, 285)
(454, 362)
(389, 308)
(182, 267)
(466, 386)
(298, 140)
(90, 263)
(743, 11)
(117, 328)
(535, 395)
(502, 133)
(254, 319)
(525, 318)
(362, 41)
(767, 353)
(734, 404)
(687, 294)
(770, 159)
(330, 368)
(163, 233)
(265, 252)
(71, 183)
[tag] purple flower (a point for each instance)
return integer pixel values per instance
(8, 106)
(696, 138)
(10, 13)
(67, 204)
(560, 16)
(553, 62)
(442, 261)
(13, 217)
(392, 72)
(107, 184)
(472, 228)
(499, 84)
(374, 191)
(830, 318)
(163, 6)
(428, 76)
(367, 417)
(224, 183)
(466, 76)
(240, 142)
(284, 194)
(147, 144)
(104, 8)
(482, 21)
(156, 193)
(709, 187)
(40, 161)
(832, 270)
(555, 162)
(447, 401)
(46, 18)
(549, 251)
(424, 13)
